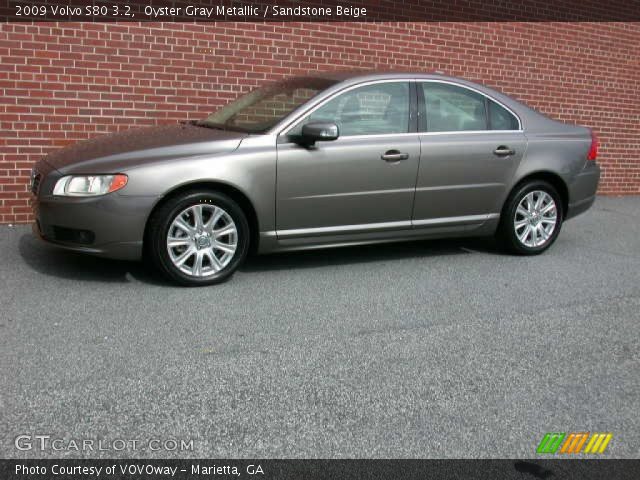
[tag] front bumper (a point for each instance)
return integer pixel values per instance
(110, 225)
(582, 191)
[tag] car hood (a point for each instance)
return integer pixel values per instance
(132, 148)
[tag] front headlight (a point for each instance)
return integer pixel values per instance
(89, 185)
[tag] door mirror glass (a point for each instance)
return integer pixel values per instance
(319, 132)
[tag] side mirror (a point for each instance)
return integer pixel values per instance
(319, 132)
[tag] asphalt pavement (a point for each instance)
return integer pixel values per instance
(426, 349)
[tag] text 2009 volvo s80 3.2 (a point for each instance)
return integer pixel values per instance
(327, 160)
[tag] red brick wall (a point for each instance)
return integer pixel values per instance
(64, 82)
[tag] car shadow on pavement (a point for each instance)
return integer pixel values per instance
(52, 261)
(56, 262)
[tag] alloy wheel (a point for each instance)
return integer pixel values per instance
(202, 239)
(535, 219)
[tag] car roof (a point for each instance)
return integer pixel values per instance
(363, 75)
(360, 75)
(346, 78)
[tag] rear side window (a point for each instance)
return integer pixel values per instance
(500, 118)
(450, 108)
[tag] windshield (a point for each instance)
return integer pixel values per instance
(261, 109)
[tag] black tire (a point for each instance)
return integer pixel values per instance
(506, 233)
(161, 221)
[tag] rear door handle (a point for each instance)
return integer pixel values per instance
(394, 156)
(503, 151)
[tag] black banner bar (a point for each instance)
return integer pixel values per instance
(320, 469)
(320, 10)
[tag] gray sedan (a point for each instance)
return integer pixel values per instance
(323, 161)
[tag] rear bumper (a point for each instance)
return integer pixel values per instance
(582, 191)
(110, 226)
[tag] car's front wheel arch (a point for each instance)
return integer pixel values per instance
(232, 192)
(198, 237)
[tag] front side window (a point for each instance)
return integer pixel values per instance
(500, 118)
(450, 108)
(381, 108)
(261, 109)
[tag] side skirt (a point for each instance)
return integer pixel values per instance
(272, 243)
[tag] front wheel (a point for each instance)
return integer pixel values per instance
(531, 219)
(198, 238)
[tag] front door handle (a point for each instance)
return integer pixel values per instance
(503, 151)
(394, 156)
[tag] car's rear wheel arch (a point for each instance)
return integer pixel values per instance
(232, 192)
(554, 179)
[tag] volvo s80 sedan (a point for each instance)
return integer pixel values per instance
(321, 161)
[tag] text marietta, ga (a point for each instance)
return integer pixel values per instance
(255, 11)
(136, 469)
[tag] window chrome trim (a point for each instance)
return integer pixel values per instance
(378, 135)
(294, 123)
(410, 134)
(459, 132)
(467, 87)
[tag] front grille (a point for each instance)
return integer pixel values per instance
(35, 182)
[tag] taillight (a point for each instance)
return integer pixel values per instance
(593, 149)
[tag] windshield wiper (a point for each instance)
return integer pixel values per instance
(218, 126)
(202, 123)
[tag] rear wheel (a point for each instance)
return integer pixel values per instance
(198, 238)
(531, 219)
